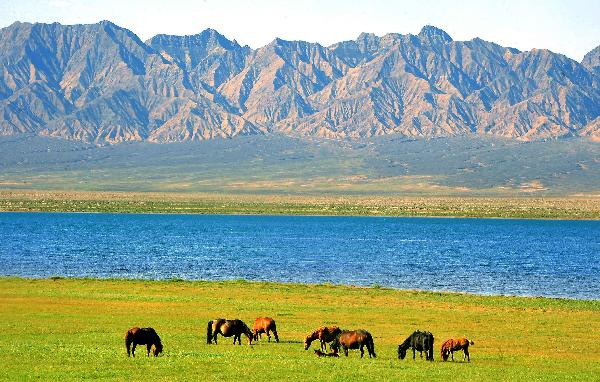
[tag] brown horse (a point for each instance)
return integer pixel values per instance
(452, 345)
(143, 336)
(354, 339)
(265, 325)
(324, 334)
(228, 328)
(320, 354)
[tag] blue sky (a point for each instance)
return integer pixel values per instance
(568, 27)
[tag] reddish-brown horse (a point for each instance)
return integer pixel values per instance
(354, 339)
(143, 336)
(456, 344)
(324, 334)
(228, 328)
(265, 325)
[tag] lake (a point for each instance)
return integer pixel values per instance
(483, 256)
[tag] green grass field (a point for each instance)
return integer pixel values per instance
(72, 329)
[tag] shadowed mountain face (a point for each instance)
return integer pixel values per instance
(100, 83)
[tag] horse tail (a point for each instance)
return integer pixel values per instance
(209, 332)
(371, 345)
(274, 330)
(128, 341)
(431, 347)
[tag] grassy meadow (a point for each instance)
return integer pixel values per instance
(72, 329)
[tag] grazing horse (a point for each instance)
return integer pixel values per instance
(320, 354)
(354, 339)
(228, 328)
(418, 341)
(143, 336)
(452, 345)
(324, 334)
(265, 325)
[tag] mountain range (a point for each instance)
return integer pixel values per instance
(99, 83)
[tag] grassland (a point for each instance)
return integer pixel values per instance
(534, 208)
(72, 329)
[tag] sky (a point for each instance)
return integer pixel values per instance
(570, 27)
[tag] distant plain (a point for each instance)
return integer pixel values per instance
(479, 177)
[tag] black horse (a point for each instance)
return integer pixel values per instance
(418, 341)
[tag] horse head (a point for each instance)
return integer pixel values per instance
(445, 353)
(307, 341)
(158, 348)
(401, 352)
(249, 334)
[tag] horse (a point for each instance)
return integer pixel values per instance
(452, 345)
(418, 341)
(324, 334)
(354, 339)
(265, 325)
(320, 354)
(228, 328)
(143, 336)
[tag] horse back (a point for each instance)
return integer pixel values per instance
(264, 323)
(141, 336)
(354, 338)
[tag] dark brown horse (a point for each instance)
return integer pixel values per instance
(324, 334)
(265, 325)
(354, 339)
(456, 344)
(320, 354)
(143, 336)
(228, 328)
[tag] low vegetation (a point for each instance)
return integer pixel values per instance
(535, 208)
(71, 329)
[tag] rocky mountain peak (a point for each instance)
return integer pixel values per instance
(592, 60)
(434, 34)
(100, 83)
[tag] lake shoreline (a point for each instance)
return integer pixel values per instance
(284, 284)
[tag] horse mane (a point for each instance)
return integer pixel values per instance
(406, 344)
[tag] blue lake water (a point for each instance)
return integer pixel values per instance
(485, 256)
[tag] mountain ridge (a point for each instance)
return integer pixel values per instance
(100, 83)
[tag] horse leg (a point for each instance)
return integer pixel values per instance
(268, 335)
(452, 354)
(466, 350)
(149, 347)
(414, 354)
(346, 351)
(133, 349)
(323, 345)
(362, 352)
(275, 335)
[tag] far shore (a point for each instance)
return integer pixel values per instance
(565, 208)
